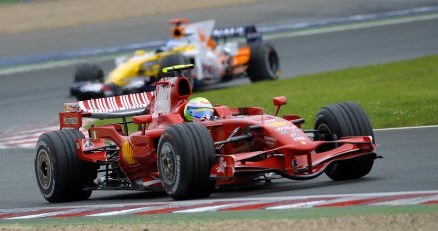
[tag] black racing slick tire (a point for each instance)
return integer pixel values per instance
(185, 156)
(172, 60)
(61, 175)
(89, 72)
(264, 63)
(341, 120)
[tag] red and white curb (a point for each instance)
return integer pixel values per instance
(26, 136)
(196, 206)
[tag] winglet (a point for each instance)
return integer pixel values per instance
(178, 68)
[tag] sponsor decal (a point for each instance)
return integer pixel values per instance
(285, 130)
(222, 165)
(278, 123)
(128, 153)
(229, 31)
(87, 143)
(178, 174)
(269, 140)
(296, 130)
(294, 163)
(294, 135)
(162, 98)
(298, 137)
(71, 121)
(257, 117)
(72, 107)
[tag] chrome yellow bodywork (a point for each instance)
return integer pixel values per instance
(178, 67)
(141, 64)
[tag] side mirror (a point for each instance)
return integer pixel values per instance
(278, 102)
(142, 119)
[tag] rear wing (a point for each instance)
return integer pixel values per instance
(104, 108)
(116, 103)
(249, 32)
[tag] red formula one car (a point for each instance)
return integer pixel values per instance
(190, 159)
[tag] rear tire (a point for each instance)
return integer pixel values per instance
(264, 63)
(340, 120)
(61, 175)
(88, 72)
(185, 156)
(172, 60)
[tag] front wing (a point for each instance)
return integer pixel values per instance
(292, 161)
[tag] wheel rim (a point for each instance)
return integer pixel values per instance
(167, 160)
(44, 169)
(326, 133)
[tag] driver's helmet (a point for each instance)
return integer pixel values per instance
(178, 31)
(198, 108)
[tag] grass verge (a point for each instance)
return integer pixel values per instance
(396, 94)
(9, 1)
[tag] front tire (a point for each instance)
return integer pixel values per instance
(341, 120)
(185, 156)
(172, 60)
(89, 72)
(61, 175)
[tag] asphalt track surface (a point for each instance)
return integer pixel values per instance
(409, 155)
(152, 28)
(408, 164)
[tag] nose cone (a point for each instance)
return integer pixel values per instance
(284, 132)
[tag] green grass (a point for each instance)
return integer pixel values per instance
(9, 1)
(396, 94)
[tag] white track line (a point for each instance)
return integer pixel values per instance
(214, 207)
(405, 128)
(308, 204)
(126, 211)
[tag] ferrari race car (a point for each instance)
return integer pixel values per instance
(187, 160)
(216, 59)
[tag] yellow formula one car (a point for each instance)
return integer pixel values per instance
(216, 60)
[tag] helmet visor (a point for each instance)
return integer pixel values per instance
(200, 113)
